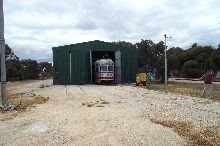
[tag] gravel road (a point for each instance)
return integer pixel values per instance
(98, 115)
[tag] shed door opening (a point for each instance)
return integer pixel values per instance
(97, 55)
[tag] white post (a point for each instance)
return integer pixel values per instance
(91, 65)
(165, 59)
(70, 53)
(2, 45)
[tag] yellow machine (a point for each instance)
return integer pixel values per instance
(141, 79)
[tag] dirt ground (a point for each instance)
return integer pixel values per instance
(98, 115)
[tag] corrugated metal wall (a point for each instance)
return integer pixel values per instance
(80, 62)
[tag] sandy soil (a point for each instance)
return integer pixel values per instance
(103, 116)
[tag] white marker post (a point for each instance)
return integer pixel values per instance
(3, 70)
(166, 58)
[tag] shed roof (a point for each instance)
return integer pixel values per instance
(94, 44)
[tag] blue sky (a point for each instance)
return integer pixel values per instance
(33, 27)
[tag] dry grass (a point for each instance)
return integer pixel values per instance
(196, 136)
(26, 100)
(98, 103)
(189, 89)
(100, 106)
(105, 102)
(23, 101)
(19, 83)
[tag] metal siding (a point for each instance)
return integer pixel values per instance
(59, 77)
(54, 67)
(60, 72)
(60, 69)
(67, 67)
(123, 63)
(134, 65)
(87, 67)
(79, 66)
(79, 73)
(75, 60)
(65, 71)
(70, 80)
(128, 65)
(83, 65)
(118, 67)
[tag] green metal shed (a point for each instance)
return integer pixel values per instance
(72, 64)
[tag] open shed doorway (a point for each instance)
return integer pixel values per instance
(97, 55)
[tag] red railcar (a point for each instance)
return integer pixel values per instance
(104, 71)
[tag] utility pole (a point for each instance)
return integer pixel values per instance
(166, 58)
(3, 70)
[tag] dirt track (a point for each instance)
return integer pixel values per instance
(103, 115)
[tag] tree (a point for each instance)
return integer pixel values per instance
(191, 69)
(216, 59)
(45, 69)
(199, 55)
(160, 49)
(30, 69)
(148, 53)
(25, 69)
(151, 56)
(160, 69)
(9, 54)
(195, 50)
(191, 62)
(14, 70)
(174, 60)
(13, 65)
(160, 64)
(124, 44)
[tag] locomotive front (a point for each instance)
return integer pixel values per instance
(104, 71)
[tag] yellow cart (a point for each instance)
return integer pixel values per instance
(141, 79)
